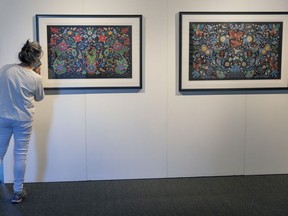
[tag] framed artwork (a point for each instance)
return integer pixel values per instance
(90, 51)
(233, 50)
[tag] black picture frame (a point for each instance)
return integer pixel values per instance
(90, 51)
(207, 39)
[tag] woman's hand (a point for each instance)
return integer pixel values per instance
(37, 70)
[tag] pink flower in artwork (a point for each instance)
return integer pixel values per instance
(77, 38)
(62, 46)
(117, 46)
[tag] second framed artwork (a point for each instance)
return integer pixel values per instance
(233, 50)
(90, 51)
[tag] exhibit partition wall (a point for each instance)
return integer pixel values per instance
(153, 129)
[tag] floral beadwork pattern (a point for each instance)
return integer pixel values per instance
(235, 51)
(82, 52)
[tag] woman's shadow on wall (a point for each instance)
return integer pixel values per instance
(41, 127)
(44, 122)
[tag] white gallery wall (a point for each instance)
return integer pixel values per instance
(156, 132)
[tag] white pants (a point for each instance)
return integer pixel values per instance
(21, 131)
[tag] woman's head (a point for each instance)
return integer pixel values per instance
(30, 53)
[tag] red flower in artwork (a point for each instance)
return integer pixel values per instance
(77, 38)
(124, 30)
(127, 41)
(54, 30)
(235, 38)
(52, 41)
(102, 38)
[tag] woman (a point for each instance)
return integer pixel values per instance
(20, 87)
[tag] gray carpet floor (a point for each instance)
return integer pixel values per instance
(265, 195)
